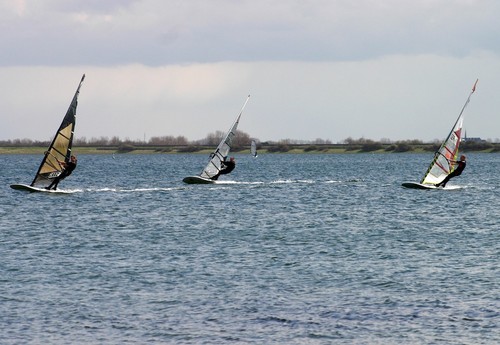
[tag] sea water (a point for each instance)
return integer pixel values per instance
(288, 249)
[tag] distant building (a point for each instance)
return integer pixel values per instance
(472, 139)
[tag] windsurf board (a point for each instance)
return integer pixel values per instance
(197, 180)
(28, 188)
(414, 185)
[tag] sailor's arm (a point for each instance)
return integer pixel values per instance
(62, 164)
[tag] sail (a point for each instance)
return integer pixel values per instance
(60, 148)
(253, 149)
(222, 151)
(440, 166)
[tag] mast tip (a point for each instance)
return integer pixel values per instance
(474, 87)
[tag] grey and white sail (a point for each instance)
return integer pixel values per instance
(214, 164)
(253, 149)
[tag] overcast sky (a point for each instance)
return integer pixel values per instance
(329, 69)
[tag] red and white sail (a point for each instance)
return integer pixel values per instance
(441, 165)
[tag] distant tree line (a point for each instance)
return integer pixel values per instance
(368, 145)
(242, 141)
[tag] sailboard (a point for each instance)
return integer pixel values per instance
(214, 165)
(441, 166)
(58, 151)
(253, 149)
(28, 188)
(415, 185)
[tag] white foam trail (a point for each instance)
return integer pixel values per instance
(238, 182)
(118, 190)
(292, 181)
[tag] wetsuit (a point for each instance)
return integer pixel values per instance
(456, 172)
(227, 167)
(68, 169)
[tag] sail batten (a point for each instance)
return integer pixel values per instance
(448, 151)
(60, 147)
(442, 167)
(66, 136)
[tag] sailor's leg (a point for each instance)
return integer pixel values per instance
(54, 183)
(445, 181)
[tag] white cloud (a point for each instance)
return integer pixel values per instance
(16, 7)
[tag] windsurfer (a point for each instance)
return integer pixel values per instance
(457, 172)
(226, 168)
(67, 170)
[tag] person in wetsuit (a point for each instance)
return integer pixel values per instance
(457, 172)
(67, 170)
(226, 168)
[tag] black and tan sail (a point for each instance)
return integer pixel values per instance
(60, 148)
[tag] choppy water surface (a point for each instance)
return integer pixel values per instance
(296, 249)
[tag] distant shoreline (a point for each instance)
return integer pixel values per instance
(263, 149)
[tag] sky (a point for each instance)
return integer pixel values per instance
(329, 69)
